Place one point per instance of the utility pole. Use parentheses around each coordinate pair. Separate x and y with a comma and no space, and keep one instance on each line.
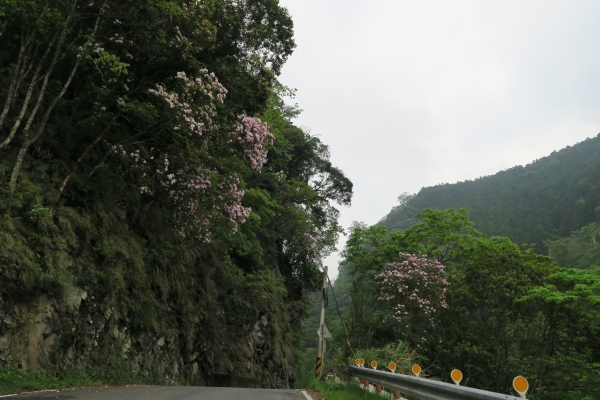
(321,331)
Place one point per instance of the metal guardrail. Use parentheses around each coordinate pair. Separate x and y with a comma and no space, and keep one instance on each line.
(424,388)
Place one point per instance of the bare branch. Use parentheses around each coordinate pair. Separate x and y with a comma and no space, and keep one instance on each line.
(38,103)
(85,152)
(28,142)
(104,157)
(27,99)
(46,76)
(23,74)
(13,82)
(55,101)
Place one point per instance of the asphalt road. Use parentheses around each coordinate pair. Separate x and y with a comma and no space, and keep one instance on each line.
(163,393)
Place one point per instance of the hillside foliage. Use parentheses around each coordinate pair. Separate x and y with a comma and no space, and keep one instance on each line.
(147,156)
(578,250)
(544,200)
(505,310)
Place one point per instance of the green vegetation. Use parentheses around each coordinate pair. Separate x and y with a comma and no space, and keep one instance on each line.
(164,220)
(148,159)
(14,380)
(343,391)
(544,200)
(401,355)
(509,310)
(579,250)
(119,372)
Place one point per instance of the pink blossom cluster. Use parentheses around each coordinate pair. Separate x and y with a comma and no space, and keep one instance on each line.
(416,288)
(198,194)
(134,157)
(232,204)
(184,184)
(254,137)
(194,102)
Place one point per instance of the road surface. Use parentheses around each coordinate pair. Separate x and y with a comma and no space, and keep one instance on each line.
(162,393)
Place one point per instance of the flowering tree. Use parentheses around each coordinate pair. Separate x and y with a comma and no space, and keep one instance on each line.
(199,190)
(416,289)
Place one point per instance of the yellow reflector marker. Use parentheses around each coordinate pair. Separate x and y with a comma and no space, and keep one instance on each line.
(392,366)
(357,361)
(456,376)
(416,369)
(374,364)
(362,362)
(521,385)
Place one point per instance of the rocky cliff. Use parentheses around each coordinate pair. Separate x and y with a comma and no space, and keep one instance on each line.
(80,330)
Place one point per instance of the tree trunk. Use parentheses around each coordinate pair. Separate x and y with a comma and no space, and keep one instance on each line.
(17,167)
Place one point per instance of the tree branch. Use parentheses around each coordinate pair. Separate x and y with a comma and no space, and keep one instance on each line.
(13,82)
(85,152)
(27,142)
(27,99)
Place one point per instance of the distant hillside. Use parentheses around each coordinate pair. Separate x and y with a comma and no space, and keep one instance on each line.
(546,199)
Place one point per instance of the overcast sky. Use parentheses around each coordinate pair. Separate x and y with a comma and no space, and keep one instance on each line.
(410,94)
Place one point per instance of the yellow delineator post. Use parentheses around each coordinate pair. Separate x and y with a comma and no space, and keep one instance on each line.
(374,366)
(521,386)
(456,376)
(360,362)
(320,347)
(416,369)
(392,367)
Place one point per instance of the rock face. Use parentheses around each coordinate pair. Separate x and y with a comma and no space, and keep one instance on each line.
(75,330)
(28,333)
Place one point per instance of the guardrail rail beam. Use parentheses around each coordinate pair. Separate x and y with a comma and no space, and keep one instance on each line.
(424,388)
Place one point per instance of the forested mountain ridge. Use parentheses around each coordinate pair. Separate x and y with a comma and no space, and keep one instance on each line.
(543,200)
(162,217)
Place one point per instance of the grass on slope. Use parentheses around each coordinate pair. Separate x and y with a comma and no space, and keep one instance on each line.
(14,380)
(343,391)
